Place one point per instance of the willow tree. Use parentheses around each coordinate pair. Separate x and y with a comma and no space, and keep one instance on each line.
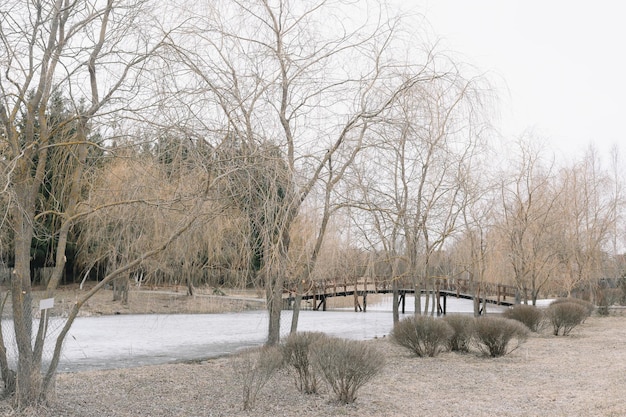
(589,206)
(473,247)
(531,223)
(310,77)
(413,184)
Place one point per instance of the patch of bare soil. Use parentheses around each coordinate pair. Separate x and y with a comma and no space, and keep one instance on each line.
(583,374)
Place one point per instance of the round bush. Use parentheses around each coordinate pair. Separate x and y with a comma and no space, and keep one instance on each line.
(528,315)
(346,365)
(589,307)
(423,335)
(564,316)
(494,335)
(463,326)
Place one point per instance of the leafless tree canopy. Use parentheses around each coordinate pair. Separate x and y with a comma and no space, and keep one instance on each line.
(267,144)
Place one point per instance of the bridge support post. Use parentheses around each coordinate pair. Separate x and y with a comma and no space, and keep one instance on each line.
(441,307)
(403,300)
(445,303)
(322,302)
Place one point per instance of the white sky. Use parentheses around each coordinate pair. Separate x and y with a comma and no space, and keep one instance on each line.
(559,66)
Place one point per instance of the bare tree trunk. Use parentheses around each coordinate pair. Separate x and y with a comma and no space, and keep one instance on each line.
(274,306)
(8,375)
(395,300)
(475,290)
(433,308)
(418,297)
(21,297)
(190,288)
(120,289)
(426,296)
(296,307)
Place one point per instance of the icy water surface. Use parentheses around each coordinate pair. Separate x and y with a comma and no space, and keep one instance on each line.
(134,340)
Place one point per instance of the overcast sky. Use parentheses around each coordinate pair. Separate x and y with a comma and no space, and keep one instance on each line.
(560,66)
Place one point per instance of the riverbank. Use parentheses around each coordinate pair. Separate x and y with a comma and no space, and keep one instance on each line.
(580,375)
(163,300)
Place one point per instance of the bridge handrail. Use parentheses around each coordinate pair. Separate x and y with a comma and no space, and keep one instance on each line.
(378,284)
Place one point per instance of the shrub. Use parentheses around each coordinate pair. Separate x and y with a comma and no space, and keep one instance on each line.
(296,352)
(528,315)
(606,297)
(254,368)
(589,307)
(565,316)
(494,334)
(346,365)
(423,335)
(463,327)
(621,283)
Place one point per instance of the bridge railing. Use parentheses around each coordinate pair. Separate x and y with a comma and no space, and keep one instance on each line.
(486,289)
(333,287)
(459,286)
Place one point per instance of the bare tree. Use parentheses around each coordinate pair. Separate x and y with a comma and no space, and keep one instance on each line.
(92,53)
(589,208)
(275,77)
(424,153)
(474,244)
(531,221)
(618,232)
(380,194)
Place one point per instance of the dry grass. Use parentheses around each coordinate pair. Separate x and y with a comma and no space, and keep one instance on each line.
(580,375)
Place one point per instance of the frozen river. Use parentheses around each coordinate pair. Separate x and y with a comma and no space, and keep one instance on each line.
(133,340)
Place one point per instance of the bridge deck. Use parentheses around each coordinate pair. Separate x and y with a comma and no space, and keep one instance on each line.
(321,291)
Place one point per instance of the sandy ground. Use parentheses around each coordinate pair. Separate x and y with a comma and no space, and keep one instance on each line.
(583,374)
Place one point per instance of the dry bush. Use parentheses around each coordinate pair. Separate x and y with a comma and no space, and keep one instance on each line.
(494,335)
(589,307)
(346,365)
(254,368)
(621,283)
(423,335)
(606,297)
(463,327)
(528,315)
(297,353)
(564,316)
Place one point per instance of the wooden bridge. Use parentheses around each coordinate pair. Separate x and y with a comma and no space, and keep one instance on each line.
(319,291)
